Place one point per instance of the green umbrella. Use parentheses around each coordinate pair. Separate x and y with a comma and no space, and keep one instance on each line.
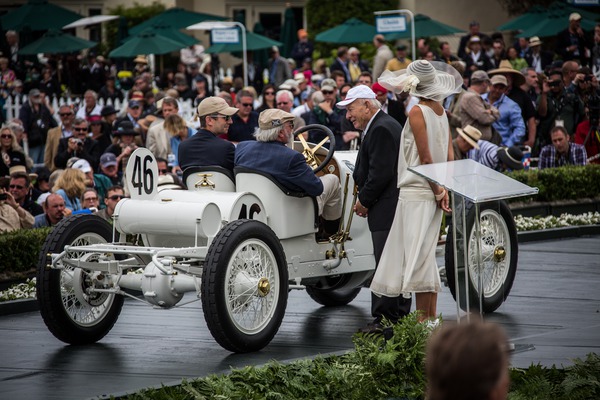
(57,42)
(552,24)
(424,27)
(288,33)
(531,17)
(38,15)
(169,33)
(261,57)
(146,43)
(253,42)
(177,18)
(537,14)
(351,31)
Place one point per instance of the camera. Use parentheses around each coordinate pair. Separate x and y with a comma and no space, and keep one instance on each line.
(588,78)
(593,106)
(554,83)
(3,196)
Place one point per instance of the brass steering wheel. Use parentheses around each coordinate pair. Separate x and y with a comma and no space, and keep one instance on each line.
(309,151)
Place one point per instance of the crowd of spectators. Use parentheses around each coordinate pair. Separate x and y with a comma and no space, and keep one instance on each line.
(524,97)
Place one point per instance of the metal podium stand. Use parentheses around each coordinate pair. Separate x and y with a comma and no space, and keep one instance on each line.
(471,183)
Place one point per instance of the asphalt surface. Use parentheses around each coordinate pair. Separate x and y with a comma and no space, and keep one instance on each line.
(552,316)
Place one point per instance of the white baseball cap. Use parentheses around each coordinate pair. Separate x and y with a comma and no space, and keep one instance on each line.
(357,92)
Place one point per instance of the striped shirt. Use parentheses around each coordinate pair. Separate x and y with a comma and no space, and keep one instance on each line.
(486,155)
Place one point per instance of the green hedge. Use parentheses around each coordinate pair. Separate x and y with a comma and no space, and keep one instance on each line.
(564,183)
(20,250)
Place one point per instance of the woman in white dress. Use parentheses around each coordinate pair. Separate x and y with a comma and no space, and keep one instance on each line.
(408,262)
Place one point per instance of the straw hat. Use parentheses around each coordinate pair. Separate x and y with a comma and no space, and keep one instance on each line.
(506,67)
(471,134)
(535,41)
(140,60)
(426,79)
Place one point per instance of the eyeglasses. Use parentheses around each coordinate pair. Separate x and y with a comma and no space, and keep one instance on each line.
(90,199)
(17,187)
(134,108)
(364,82)
(116,197)
(80,129)
(163,171)
(225,117)
(246,104)
(6,136)
(65,114)
(326,91)
(269,93)
(283,102)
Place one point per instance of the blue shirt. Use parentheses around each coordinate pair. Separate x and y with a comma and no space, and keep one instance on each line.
(510,125)
(74,204)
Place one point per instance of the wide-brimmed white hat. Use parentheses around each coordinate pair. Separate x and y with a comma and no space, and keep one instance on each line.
(471,134)
(432,80)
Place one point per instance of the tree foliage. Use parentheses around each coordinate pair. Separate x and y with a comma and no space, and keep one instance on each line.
(323,15)
(516,7)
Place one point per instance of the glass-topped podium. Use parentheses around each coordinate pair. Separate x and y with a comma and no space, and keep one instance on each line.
(483,234)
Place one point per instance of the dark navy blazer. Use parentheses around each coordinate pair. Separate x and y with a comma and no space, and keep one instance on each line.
(204,149)
(287,166)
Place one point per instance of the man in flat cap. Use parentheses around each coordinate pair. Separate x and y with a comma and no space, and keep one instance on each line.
(269,154)
(205,148)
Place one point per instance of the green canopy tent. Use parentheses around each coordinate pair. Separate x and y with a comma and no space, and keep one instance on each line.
(424,27)
(169,33)
(537,14)
(253,42)
(288,33)
(38,15)
(146,43)
(57,42)
(524,21)
(176,18)
(352,30)
(552,24)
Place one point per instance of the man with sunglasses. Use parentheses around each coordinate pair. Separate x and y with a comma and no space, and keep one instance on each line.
(206,148)
(79,145)
(64,130)
(20,188)
(245,122)
(113,195)
(269,154)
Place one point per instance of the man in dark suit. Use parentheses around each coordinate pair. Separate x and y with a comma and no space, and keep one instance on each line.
(375,174)
(270,154)
(205,148)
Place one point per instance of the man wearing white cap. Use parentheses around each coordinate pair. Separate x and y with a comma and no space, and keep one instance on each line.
(376,175)
(269,154)
(205,148)
(571,43)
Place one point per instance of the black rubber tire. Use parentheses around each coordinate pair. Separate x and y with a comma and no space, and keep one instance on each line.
(52,294)
(329,134)
(490,302)
(333,297)
(218,272)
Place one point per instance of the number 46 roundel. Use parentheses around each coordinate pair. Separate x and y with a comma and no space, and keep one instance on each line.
(141,174)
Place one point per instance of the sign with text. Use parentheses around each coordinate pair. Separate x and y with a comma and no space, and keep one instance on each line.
(386,24)
(230,36)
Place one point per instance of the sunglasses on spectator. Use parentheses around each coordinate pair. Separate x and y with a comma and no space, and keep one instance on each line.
(163,171)
(17,187)
(269,93)
(246,104)
(6,136)
(116,197)
(80,129)
(90,198)
(135,108)
(225,117)
(65,114)
(327,91)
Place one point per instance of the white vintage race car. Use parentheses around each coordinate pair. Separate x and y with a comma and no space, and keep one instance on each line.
(239,243)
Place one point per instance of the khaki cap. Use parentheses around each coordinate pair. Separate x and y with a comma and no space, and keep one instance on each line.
(273,118)
(215,105)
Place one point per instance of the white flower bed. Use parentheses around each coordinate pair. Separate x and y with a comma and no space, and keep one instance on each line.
(27,290)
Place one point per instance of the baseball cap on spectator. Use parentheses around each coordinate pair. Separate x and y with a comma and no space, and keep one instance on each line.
(378,89)
(108,110)
(289,84)
(328,84)
(316,78)
(273,118)
(401,47)
(17,83)
(125,128)
(133,103)
(535,41)
(34,93)
(108,160)
(474,39)
(40,200)
(357,92)
(499,80)
(299,77)
(215,105)
(94,119)
(479,76)
(574,17)
(82,165)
